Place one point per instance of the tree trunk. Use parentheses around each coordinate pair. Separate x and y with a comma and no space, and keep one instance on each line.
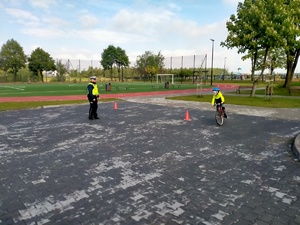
(271,73)
(254,88)
(253,64)
(111,71)
(15,75)
(42,77)
(261,74)
(292,61)
(289,75)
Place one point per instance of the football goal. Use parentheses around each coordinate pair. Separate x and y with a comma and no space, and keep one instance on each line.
(161,75)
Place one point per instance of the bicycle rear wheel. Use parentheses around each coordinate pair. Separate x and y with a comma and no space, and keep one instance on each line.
(219,118)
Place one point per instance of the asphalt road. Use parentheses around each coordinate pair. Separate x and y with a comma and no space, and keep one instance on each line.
(143,164)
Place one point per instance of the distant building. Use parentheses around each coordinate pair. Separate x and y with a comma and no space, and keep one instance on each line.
(50,73)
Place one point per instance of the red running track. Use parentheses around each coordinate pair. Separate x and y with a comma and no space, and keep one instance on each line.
(223,87)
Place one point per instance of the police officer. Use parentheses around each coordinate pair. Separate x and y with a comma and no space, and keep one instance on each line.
(93,95)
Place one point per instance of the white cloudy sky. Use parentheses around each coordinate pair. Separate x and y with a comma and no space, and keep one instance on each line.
(81,29)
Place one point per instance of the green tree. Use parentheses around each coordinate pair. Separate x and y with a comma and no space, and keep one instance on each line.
(242,32)
(184,73)
(288,26)
(39,61)
(264,25)
(25,74)
(92,72)
(114,55)
(74,73)
(12,57)
(275,59)
(150,63)
(61,71)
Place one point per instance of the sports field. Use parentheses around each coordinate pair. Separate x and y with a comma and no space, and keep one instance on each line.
(59,89)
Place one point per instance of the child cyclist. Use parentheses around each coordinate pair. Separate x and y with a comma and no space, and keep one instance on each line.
(218,98)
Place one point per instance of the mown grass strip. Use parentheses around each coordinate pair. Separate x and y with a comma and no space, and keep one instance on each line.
(260,101)
(58,89)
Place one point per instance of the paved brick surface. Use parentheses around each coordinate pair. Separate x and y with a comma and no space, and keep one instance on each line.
(143,164)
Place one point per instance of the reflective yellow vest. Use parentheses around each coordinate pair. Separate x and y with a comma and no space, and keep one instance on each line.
(218,96)
(95,89)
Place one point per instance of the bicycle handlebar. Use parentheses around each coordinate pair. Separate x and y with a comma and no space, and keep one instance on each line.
(219,104)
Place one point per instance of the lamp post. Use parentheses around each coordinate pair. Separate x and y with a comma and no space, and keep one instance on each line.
(212,60)
(224,68)
(123,64)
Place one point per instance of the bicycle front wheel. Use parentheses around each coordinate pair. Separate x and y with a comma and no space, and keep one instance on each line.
(219,119)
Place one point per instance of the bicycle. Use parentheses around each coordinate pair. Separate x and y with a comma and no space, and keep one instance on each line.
(219,116)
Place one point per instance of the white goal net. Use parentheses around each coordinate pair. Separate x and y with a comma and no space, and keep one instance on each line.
(161,75)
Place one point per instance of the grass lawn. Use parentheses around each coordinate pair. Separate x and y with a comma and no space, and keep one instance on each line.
(58,89)
(280,98)
(274,102)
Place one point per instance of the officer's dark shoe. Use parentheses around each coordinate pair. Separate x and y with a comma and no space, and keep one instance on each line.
(225,116)
(90,118)
(96,118)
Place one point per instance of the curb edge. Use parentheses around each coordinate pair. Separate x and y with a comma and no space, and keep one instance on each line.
(296,147)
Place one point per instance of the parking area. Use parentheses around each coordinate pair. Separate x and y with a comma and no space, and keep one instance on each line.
(144,164)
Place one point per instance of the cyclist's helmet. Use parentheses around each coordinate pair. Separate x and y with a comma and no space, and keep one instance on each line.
(216,89)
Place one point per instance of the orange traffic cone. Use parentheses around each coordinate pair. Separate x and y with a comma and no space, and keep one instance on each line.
(187,116)
(115,105)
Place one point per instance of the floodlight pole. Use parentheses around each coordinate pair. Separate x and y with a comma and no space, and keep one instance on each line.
(224,68)
(212,60)
(123,64)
